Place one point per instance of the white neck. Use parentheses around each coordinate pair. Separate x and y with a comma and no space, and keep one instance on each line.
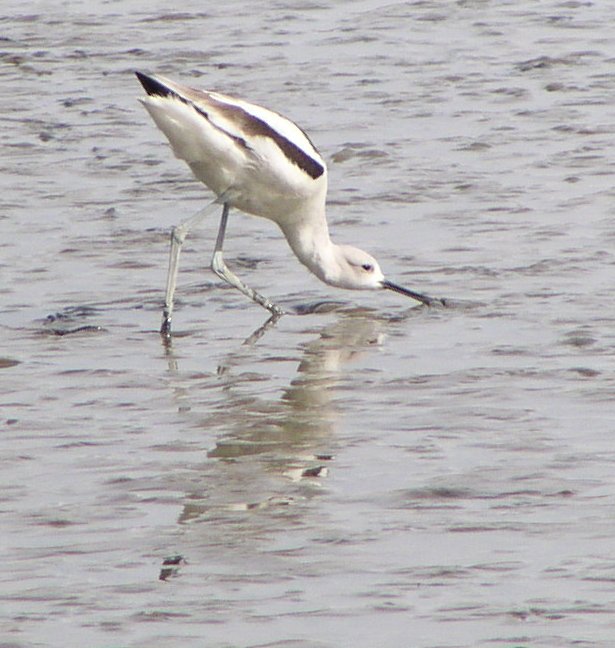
(309,240)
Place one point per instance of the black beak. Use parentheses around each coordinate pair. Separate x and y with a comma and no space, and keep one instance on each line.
(424,299)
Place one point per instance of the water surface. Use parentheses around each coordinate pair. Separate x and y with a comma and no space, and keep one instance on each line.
(376,475)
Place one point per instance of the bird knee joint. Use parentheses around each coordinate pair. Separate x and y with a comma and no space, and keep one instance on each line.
(178,235)
(217,264)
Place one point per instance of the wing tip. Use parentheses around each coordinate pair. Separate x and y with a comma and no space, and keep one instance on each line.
(153,86)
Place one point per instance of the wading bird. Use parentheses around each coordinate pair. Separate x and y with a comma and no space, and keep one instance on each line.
(261,163)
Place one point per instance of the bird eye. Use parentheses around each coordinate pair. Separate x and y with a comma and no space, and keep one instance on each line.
(368,267)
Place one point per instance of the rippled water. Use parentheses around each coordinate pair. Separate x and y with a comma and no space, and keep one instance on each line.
(375,475)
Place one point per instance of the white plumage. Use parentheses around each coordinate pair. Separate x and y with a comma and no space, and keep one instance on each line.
(263,164)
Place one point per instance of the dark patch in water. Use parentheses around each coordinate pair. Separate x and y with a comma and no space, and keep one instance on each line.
(67,321)
(170,567)
(328,306)
(7,363)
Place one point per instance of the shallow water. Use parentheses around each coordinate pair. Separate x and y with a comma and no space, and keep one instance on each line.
(374,475)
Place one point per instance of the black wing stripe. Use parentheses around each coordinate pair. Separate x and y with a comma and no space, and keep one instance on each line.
(249,123)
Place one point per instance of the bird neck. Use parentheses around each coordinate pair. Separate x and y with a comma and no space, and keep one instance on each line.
(312,245)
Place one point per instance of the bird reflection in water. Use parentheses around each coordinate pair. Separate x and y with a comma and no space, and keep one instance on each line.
(270,452)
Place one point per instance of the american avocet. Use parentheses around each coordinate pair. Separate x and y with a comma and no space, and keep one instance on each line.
(263,164)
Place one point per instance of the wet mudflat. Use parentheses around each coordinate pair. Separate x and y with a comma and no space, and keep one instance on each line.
(376,474)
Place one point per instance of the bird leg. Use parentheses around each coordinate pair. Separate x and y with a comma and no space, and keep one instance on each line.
(220,268)
(178,236)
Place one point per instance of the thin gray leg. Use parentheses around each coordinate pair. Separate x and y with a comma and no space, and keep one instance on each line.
(178,236)
(220,268)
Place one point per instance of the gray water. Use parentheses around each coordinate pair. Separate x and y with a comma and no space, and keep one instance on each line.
(375,475)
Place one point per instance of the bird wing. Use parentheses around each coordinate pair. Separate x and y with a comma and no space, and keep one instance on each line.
(219,136)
